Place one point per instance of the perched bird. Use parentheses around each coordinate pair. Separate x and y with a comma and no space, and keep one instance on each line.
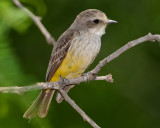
(75,50)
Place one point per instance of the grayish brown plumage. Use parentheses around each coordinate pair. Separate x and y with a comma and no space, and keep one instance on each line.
(83,40)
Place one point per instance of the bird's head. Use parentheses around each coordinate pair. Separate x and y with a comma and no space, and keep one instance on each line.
(92,21)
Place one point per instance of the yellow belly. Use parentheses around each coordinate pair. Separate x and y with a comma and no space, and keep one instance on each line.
(71,67)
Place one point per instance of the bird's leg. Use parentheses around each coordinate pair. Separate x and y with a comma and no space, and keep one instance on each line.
(65,85)
(64,81)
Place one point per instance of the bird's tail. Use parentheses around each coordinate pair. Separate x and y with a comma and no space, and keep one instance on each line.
(41,105)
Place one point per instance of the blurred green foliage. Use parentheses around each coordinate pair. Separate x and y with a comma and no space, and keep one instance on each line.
(132,101)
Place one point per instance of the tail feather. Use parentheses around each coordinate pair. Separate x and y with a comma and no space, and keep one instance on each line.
(41,105)
(44,106)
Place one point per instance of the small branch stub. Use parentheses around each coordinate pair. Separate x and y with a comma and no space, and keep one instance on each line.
(108,78)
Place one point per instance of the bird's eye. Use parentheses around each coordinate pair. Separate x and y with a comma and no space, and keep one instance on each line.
(96,21)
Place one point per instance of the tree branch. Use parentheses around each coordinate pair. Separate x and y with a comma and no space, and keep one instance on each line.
(78,109)
(37,21)
(54,85)
(129,45)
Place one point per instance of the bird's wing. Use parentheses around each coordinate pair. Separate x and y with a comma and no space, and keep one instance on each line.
(59,52)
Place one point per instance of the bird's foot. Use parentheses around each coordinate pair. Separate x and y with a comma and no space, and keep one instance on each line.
(64,81)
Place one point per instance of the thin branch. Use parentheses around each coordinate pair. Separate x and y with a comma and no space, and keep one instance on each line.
(54,85)
(108,78)
(129,45)
(37,21)
(78,109)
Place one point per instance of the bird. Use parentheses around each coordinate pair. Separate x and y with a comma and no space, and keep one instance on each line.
(74,51)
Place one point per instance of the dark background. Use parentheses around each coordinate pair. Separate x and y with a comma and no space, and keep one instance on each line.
(132,101)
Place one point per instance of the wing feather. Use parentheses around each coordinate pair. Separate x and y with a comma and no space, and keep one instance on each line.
(59,52)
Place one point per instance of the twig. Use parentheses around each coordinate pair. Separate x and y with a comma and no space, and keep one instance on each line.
(129,45)
(78,109)
(108,78)
(53,85)
(37,21)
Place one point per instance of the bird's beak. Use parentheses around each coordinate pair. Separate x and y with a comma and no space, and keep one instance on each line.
(112,21)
